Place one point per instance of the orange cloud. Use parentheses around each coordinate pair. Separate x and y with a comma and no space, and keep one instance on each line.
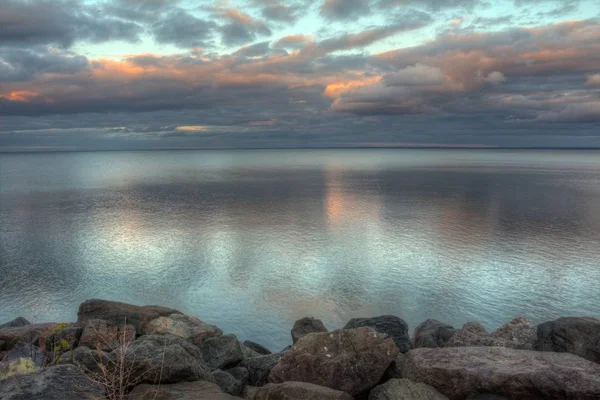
(21,96)
(334,90)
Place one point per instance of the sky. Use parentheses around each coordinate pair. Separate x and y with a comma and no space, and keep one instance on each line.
(153,74)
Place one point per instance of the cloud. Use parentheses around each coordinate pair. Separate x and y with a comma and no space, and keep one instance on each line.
(344,10)
(182,29)
(21,64)
(417,75)
(495,78)
(60,23)
(293,41)
(239,27)
(276,10)
(593,80)
(434,5)
(254,50)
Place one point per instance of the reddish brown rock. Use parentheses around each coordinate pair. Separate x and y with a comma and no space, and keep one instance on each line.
(350,360)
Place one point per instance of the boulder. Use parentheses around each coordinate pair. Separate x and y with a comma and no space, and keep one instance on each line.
(199,390)
(577,335)
(350,360)
(391,325)
(63,382)
(26,333)
(432,333)
(26,350)
(403,389)
(259,368)
(106,336)
(86,359)
(182,326)
(61,338)
(221,351)
(519,374)
(298,391)
(474,334)
(262,350)
(16,366)
(306,325)
(519,333)
(247,352)
(19,321)
(231,381)
(166,358)
(120,313)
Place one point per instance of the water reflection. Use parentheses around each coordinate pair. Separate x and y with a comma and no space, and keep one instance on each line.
(252,241)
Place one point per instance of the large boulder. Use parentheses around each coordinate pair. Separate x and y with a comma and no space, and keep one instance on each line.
(247,352)
(306,325)
(577,335)
(105,335)
(63,382)
(221,351)
(61,338)
(183,326)
(259,368)
(16,366)
(199,390)
(519,333)
(298,391)
(351,360)
(473,334)
(260,349)
(86,359)
(26,350)
(432,333)
(232,381)
(121,313)
(403,389)
(165,358)
(519,374)
(394,327)
(19,321)
(27,333)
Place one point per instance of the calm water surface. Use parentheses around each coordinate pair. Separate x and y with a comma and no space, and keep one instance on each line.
(253,240)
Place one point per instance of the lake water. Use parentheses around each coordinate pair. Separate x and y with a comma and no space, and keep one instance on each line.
(253,240)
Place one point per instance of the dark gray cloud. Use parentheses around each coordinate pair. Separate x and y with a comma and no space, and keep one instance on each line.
(434,5)
(60,23)
(345,9)
(182,29)
(238,28)
(254,50)
(20,64)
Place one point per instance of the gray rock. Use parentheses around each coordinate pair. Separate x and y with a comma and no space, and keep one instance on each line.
(394,327)
(27,333)
(62,337)
(86,359)
(306,325)
(247,352)
(199,390)
(403,389)
(519,333)
(63,382)
(26,350)
(260,349)
(105,335)
(350,360)
(519,374)
(259,368)
(298,391)
(221,351)
(117,313)
(432,333)
(474,334)
(182,326)
(17,366)
(485,396)
(19,321)
(165,357)
(577,335)
(231,381)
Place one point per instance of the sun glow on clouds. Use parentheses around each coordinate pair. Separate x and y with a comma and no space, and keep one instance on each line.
(192,128)
(21,95)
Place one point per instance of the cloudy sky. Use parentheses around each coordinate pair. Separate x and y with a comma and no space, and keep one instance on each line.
(108,74)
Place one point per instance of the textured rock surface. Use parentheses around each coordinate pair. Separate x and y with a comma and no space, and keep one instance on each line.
(117,313)
(403,389)
(19,321)
(474,334)
(351,360)
(575,335)
(182,326)
(519,333)
(61,338)
(260,349)
(86,359)
(306,325)
(17,366)
(231,381)
(171,358)
(394,327)
(247,352)
(64,382)
(221,351)
(432,333)
(298,391)
(519,374)
(259,368)
(199,390)
(26,350)
(26,333)
(106,336)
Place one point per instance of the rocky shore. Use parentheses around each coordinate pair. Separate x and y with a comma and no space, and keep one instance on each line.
(117,351)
